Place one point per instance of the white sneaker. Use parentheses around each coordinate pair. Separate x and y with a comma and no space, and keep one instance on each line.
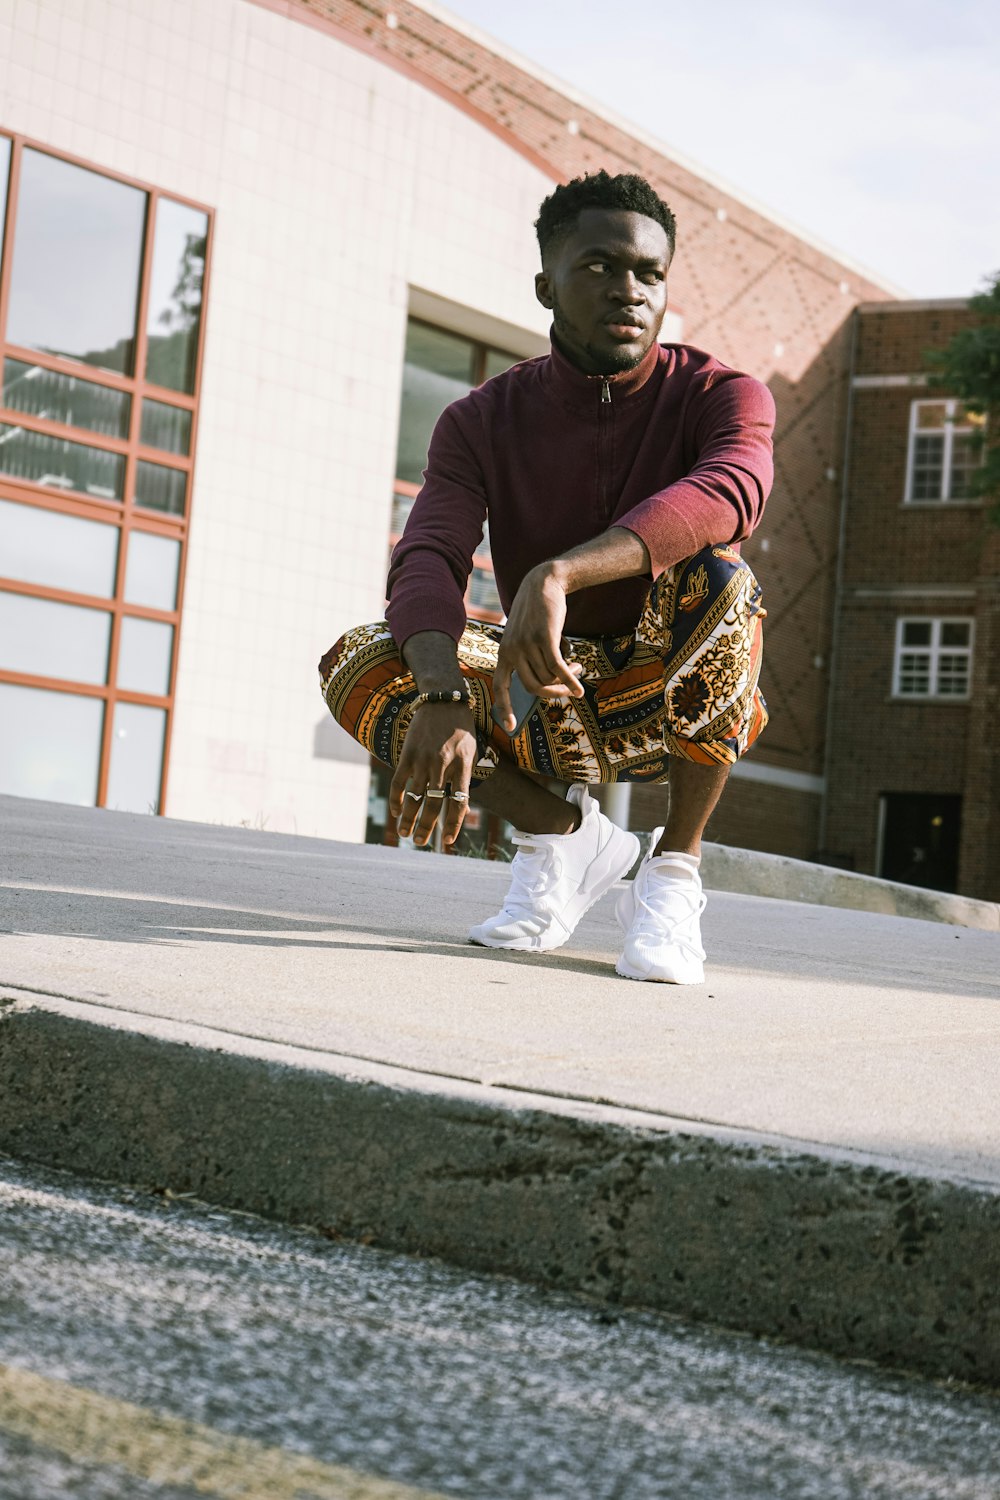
(661,913)
(556,878)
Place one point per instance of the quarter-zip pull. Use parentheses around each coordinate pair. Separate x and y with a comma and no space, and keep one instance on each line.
(605,392)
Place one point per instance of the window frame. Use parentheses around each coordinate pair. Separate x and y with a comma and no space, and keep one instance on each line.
(949,431)
(934,652)
(404,489)
(124,514)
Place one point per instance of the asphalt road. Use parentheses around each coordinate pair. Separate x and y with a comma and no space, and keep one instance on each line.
(153,1347)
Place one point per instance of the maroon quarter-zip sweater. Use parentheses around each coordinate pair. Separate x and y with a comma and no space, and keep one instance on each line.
(677,450)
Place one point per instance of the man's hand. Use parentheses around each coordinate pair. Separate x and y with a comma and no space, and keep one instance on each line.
(439,749)
(532,637)
(532,644)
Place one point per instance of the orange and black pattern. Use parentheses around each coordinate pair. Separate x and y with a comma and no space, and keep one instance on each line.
(685,684)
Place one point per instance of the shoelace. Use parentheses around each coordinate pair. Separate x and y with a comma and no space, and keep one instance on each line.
(658,913)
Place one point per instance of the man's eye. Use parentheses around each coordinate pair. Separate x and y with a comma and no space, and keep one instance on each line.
(598,265)
(651,277)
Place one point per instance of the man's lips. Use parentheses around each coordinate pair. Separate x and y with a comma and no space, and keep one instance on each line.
(624,326)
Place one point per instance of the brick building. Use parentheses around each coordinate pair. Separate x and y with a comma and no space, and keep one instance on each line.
(204,449)
(913,762)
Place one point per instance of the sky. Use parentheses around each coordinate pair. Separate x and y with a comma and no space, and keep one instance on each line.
(871,125)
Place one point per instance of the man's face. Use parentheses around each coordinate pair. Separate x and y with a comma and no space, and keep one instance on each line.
(605,283)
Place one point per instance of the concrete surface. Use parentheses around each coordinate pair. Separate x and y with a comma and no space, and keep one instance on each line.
(154,1349)
(755,874)
(805,1146)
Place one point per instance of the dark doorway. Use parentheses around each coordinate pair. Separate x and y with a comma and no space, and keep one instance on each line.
(920,836)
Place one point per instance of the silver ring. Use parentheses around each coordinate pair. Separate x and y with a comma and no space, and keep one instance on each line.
(417,796)
(436,793)
(458,796)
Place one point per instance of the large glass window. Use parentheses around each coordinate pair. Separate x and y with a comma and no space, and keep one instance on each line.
(64,398)
(40,638)
(945,450)
(77,255)
(166,427)
(160,488)
(152,570)
(79,415)
(933,658)
(58,551)
(4,179)
(51,744)
(175,295)
(136,758)
(59,464)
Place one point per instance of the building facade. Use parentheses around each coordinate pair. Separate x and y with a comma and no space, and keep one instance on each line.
(250,247)
(913,778)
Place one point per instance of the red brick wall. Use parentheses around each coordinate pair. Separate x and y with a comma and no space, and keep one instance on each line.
(751,815)
(878,745)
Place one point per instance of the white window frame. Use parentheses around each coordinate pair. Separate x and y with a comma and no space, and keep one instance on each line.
(934,652)
(949,431)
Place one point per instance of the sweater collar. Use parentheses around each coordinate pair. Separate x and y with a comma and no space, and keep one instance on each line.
(573,385)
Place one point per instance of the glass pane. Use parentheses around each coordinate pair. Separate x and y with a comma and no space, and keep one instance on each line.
(59,552)
(401,507)
(914,674)
(136,758)
(483,591)
(65,398)
(175,295)
(437,370)
(4,175)
(77,253)
(953,675)
(955,632)
(928,468)
(917,633)
(44,639)
(151,570)
(166,427)
(497,361)
(51,744)
(160,488)
(966,452)
(145,648)
(61,464)
(931,413)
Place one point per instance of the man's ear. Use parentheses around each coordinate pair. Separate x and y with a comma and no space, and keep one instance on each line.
(543,290)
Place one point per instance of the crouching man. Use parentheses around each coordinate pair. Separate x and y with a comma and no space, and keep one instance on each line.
(618,476)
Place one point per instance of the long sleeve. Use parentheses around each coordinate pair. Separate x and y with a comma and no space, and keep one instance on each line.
(432,560)
(722,496)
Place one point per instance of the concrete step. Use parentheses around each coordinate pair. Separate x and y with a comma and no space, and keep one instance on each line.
(804,1147)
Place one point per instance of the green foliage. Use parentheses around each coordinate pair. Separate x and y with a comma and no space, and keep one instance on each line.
(969,368)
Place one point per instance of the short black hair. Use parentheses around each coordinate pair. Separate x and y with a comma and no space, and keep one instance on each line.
(627,193)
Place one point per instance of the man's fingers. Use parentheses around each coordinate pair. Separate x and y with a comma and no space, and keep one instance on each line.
(456,806)
(397,788)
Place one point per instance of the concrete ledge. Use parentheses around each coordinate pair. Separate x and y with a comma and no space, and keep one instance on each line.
(858,1255)
(751,873)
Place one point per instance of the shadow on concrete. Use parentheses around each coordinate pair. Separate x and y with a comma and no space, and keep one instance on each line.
(33,911)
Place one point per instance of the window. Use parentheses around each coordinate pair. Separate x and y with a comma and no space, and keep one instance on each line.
(933,659)
(945,449)
(438,368)
(103,283)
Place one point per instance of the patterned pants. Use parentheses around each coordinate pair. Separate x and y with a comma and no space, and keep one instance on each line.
(684,684)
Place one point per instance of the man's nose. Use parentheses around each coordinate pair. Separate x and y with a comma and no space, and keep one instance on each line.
(627,288)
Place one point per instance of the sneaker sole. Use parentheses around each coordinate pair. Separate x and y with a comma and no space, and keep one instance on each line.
(625,972)
(617,859)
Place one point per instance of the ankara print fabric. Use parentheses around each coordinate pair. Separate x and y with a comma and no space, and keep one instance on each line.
(684,685)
